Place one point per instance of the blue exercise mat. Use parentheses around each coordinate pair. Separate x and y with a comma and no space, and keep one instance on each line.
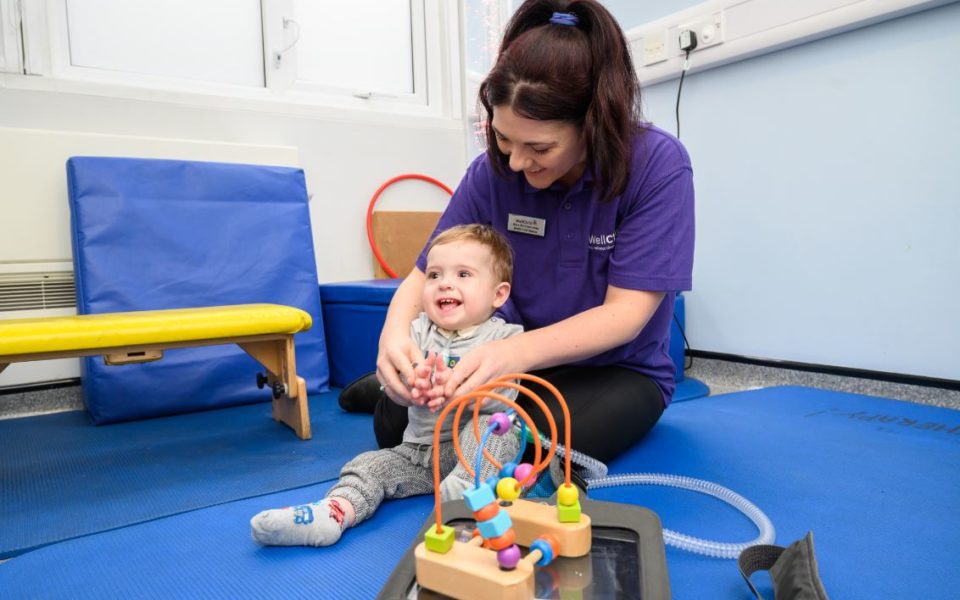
(874,479)
(155,234)
(61,478)
(209,554)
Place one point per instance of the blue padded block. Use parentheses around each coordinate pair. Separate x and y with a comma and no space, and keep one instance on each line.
(157,234)
(353,315)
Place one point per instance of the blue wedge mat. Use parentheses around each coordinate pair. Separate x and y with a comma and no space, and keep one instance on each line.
(875,480)
(61,478)
(155,234)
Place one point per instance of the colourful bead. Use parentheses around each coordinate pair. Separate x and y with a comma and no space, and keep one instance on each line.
(509,557)
(501,422)
(545,550)
(508,489)
(479,497)
(507,469)
(553,541)
(439,542)
(487,512)
(568,494)
(507,539)
(496,526)
(522,471)
(569,514)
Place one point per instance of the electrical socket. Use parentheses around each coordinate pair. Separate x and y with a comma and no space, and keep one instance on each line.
(709,30)
(655,48)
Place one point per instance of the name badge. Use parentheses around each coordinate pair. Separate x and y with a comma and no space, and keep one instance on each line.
(527,225)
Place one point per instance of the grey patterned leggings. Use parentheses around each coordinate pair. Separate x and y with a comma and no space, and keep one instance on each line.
(407,470)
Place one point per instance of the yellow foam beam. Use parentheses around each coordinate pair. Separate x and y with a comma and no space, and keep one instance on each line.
(114,330)
(264,331)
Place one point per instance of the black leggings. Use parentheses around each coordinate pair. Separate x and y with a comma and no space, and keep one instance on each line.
(611,408)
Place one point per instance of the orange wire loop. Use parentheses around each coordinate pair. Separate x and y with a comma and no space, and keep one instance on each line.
(479,396)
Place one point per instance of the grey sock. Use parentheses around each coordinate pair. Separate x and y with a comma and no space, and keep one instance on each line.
(317,524)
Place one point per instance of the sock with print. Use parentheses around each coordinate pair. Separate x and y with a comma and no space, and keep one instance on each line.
(317,524)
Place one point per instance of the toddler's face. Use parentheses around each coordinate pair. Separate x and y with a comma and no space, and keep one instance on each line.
(461,289)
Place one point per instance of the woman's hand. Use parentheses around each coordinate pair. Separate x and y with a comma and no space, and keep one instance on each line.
(395,368)
(482,364)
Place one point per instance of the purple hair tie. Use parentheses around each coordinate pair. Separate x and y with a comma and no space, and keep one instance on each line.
(560,18)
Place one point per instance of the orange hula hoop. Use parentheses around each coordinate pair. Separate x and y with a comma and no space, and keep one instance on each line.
(373,201)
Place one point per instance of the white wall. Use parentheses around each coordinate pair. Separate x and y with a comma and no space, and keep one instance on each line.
(344,161)
(828,198)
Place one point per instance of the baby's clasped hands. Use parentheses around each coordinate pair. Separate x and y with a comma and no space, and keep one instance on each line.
(430,377)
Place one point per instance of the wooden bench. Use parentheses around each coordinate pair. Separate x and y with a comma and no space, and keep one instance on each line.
(264,331)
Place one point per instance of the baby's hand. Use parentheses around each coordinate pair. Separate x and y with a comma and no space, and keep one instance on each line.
(435,394)
(422,381)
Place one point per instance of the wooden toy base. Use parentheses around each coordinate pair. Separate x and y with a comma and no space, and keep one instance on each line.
(533,519)
(469,572)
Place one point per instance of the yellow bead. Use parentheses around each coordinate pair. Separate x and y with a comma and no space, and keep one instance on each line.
(439,542)
(568,494)
(508,489)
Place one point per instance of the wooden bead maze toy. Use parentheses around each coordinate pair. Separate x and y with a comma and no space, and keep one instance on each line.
(490,565)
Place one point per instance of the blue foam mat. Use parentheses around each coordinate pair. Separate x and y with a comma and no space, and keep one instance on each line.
(875,480)
(61,477)
(209,554)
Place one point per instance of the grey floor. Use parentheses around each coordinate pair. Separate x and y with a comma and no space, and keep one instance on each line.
(721,376)
(725,376)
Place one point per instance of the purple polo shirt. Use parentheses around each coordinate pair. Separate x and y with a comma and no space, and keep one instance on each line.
(641,240)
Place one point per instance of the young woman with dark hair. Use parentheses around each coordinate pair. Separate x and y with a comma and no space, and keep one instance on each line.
(598,206)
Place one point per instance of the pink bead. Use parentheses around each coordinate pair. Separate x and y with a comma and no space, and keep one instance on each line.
(521,472)
(509,557)
(502,422)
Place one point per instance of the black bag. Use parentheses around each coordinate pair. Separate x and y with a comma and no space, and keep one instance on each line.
(793,569)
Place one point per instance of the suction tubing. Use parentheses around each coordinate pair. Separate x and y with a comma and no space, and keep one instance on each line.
(595,474)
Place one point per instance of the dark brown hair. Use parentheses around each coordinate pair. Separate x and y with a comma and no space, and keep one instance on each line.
(500,250)
(581,74)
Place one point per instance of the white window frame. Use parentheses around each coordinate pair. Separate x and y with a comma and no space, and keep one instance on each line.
(11,57)
(437,78)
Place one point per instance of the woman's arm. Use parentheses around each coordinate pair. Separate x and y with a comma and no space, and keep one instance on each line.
(620,318)
(397,351)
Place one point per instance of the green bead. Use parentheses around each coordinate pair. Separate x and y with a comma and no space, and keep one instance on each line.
(440,542)
(569,514)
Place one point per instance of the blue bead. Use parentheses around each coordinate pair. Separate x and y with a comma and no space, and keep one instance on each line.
(496,526)
(479,497)
(507,469)
(545,550)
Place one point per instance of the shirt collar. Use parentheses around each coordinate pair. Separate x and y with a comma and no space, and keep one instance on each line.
(462,333)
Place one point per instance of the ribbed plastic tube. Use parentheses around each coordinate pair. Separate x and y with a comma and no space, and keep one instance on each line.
(595,473)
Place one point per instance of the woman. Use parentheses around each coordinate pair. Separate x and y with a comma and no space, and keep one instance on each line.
(598,207)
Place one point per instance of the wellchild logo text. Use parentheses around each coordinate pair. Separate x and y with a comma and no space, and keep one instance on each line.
(602,241)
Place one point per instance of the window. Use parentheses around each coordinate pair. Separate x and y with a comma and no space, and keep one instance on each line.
(10,60)
(368,54)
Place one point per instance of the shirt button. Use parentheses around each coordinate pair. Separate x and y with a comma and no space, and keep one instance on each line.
(567,206)
(569,236)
